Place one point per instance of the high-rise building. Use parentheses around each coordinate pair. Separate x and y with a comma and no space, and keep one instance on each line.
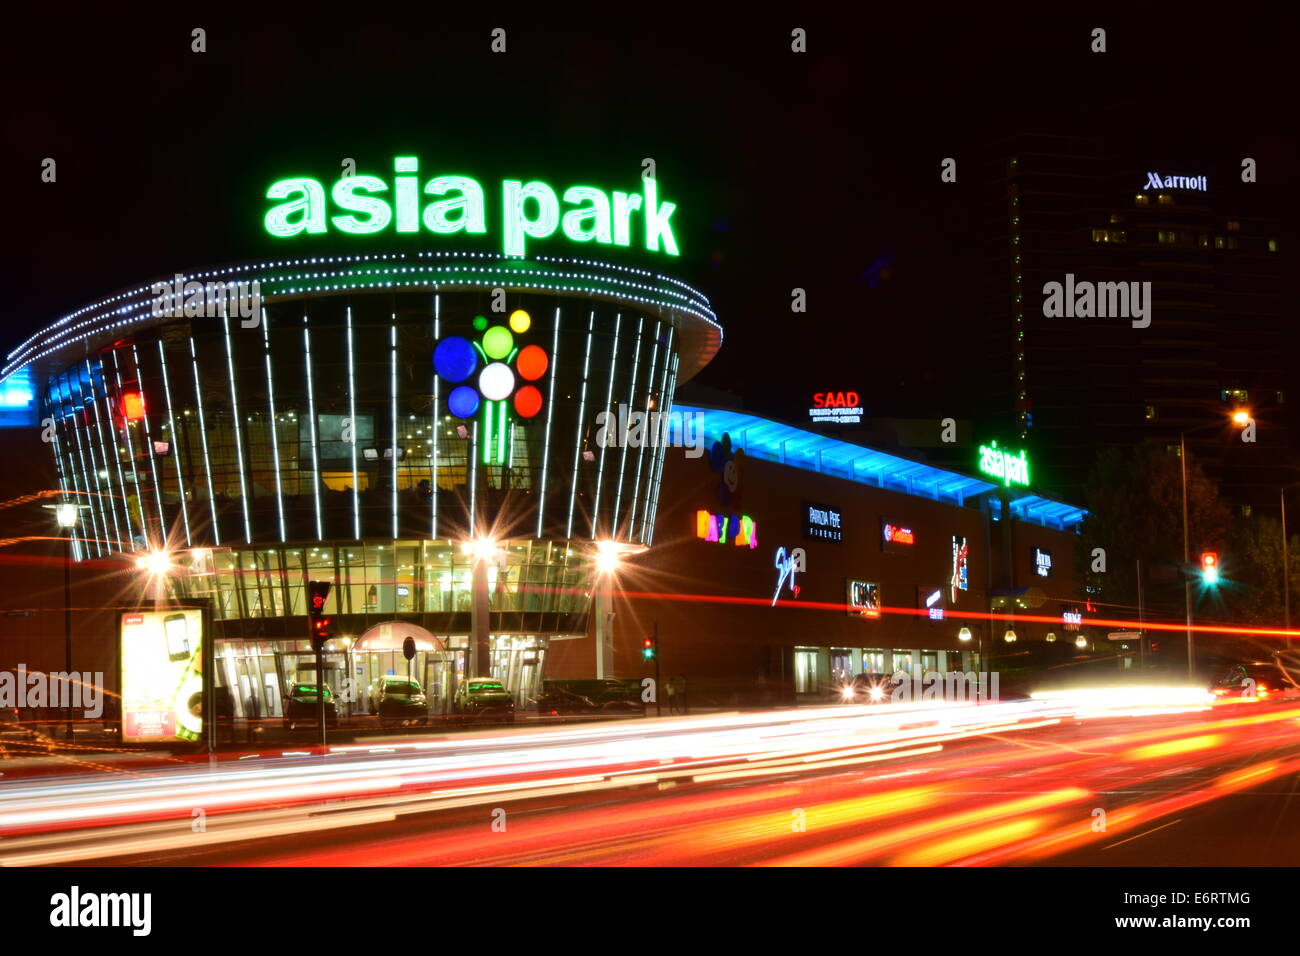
(1208,340)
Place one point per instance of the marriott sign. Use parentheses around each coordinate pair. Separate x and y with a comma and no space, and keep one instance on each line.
(1175,182)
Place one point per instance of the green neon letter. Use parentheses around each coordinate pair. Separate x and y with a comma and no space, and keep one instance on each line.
(437,215)
(345,197)
(517,225)
(408,196)
(624,206)
(598,212)
(310,202)
(656,220)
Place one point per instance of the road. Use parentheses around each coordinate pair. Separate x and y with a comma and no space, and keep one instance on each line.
(1083,780)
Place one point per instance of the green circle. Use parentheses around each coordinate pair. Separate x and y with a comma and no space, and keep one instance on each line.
(497,342)
(480,323)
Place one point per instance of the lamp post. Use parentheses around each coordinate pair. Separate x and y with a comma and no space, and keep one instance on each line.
(66,515)
(1240,418)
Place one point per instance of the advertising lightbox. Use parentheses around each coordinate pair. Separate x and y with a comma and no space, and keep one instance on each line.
(161,658)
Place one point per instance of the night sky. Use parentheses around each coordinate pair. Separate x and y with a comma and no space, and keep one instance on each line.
(789,170)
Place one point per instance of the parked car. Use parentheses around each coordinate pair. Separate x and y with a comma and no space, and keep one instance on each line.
(399,698)
(1257,681)
(598,696)
(302,707)
(484,697)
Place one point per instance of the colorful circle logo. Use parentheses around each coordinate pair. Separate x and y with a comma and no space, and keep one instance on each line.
(506,370)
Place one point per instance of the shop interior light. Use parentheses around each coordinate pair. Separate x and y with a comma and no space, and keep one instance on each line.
(964,634)
(1081,642)
(1009,636)
(1051,637)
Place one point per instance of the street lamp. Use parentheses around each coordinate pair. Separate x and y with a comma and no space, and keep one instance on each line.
(1240,418)
(607,559)
(66,515)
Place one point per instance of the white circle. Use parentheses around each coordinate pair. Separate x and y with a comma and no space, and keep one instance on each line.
(496,381)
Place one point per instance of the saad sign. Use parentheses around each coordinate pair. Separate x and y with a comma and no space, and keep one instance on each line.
(448,205)
(840,408)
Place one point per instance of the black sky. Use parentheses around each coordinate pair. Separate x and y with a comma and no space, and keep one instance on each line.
(789,170)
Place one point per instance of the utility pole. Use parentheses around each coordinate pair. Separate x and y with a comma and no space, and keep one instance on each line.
(1187,559)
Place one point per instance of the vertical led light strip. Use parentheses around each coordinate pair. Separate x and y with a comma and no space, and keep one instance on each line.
(148,445)
(103,453)
(70,425)
(487,431)
(668,404)
(661,436)
(392,390)
(175,443)
(311,413)
(63,486)
(117,463)
(550,410)
(473,478)
(582,407)
(239,440)
(203,436)
(631,399)
(609,398)
(501,431)
(646,432)
(433,438)
(352,420)
(93,473)
(275,432)
(130,451)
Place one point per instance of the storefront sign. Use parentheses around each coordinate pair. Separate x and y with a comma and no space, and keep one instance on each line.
(931,601)
(162,675)
(841,408)
(822,522)
(726,529)
(864,599)
(1072,619)
(960,565)
(1042,563)
(896,537)
(1175,182)
(1004,466)
(787,566)
(529,210)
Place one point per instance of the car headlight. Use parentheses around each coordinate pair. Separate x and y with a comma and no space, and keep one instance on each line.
(846,693)
(877,694)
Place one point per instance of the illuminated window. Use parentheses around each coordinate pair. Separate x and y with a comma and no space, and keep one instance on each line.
(1272,245)
(1245,511)
(1141,199)
(1164,199)
(1204,240)
(1281,398)
(1238,396)
(1150,413)
(1232,242)
(1233,225)
(1218,242)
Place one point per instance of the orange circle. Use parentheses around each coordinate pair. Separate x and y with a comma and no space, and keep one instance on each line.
(528,401)
(532,362)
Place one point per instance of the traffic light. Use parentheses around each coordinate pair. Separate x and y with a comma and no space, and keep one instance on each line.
(1209,567)
(318,624)
(648,649)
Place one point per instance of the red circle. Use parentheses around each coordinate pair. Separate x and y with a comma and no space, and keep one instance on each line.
(532,363)
(528,401)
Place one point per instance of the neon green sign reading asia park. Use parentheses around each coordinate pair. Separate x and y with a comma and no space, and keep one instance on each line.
(528,210)
(1003,465)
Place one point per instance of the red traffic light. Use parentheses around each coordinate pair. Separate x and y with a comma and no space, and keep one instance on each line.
(1210,566)
(648,648)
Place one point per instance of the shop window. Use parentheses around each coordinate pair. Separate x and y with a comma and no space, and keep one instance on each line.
(805,670)
(873,661)
(841,665)
(903,661)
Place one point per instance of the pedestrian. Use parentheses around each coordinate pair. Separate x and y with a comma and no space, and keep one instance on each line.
(681,692)
(671,689)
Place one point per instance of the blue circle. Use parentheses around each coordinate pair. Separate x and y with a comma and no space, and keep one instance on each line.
(455,359)
(463,401)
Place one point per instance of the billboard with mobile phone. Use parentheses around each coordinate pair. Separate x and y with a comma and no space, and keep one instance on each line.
(162,675)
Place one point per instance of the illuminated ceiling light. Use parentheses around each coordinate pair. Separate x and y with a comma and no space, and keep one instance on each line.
(1081,642)
(964,634)
(1009,636)
(66,515)
(1051,637)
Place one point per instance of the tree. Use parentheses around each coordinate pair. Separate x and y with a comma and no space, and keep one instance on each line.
(1135,505)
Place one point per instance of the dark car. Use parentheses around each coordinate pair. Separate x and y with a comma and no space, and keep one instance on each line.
(484,697)
(1255,681)
(590,696)
(399,699)
(302,707)
(559,701)
(867,689)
